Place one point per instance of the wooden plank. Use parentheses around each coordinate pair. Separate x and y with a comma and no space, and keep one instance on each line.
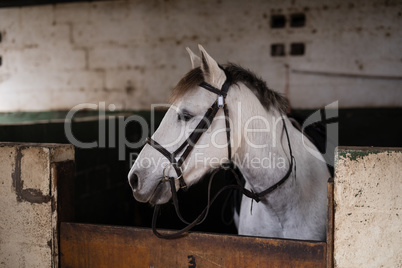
(62,199)
(85,245)
(330,223)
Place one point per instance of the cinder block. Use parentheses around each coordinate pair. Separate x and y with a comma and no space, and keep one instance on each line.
(113,57)
(368,204)
(31,28)
(10,63)
(68,100)
(9,17)
(37,15)
(126,81)
(52,50)
(52,81)
(9,26)
(105,31)
(344,90)
(111,10)
(72,13)
(9,101)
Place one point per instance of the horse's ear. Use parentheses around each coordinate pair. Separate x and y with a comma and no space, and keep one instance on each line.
(195,60)
(212,72)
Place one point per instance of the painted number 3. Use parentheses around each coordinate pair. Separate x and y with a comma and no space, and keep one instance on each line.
(191,261)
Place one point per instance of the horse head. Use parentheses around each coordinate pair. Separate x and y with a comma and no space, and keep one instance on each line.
(190,108)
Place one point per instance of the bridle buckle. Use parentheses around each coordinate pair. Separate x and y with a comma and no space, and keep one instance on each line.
(166,176)
(227,165)
(221,101)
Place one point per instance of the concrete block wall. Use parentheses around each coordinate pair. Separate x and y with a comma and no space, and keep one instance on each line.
(368,205)
(28,203)
(131,53)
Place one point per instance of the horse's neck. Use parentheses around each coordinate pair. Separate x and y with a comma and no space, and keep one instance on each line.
(263,157)
(299,202)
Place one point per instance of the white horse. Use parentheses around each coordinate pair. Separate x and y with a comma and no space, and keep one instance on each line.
(296,209)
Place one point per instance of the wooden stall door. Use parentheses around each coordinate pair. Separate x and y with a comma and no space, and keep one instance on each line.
(86,245)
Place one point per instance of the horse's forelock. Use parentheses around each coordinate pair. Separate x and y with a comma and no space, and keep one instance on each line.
(266,96)
(190,81)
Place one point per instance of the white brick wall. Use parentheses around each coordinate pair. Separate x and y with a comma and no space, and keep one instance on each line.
(131,53)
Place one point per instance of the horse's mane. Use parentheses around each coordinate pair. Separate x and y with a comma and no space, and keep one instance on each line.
(266,96)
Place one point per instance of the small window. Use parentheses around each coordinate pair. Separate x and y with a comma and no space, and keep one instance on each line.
(278,21)
(297,20)
(297,49)
(1,60)
(277,50)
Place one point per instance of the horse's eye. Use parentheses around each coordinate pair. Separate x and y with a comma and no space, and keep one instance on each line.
(185,116)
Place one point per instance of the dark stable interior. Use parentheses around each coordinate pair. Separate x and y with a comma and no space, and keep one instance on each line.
(102,194)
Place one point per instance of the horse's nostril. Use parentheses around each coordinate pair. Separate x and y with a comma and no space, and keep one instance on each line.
(134,181)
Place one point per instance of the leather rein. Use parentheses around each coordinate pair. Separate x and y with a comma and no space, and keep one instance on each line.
(188,145)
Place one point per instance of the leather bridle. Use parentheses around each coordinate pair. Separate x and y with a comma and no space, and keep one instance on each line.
(188,145)
(193,138)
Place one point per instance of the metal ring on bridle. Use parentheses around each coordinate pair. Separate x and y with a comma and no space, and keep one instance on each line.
(166,177)
(227,165)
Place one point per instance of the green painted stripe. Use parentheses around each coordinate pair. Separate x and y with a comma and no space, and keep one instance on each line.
(59,116)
